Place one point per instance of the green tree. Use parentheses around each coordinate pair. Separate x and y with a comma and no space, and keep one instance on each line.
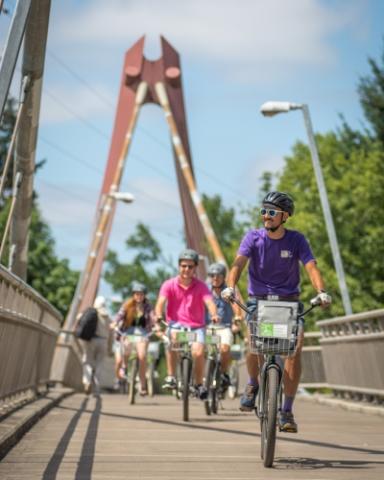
(148,265)
(355,183)
(371,91)
(46,273)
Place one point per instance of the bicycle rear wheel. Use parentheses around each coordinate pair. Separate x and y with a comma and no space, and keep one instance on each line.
(268,421)
(185,373)
(132,380)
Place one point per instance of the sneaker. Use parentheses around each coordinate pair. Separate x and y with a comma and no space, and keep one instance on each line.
(248,399)
(169,383)
(287,422)
(201,392)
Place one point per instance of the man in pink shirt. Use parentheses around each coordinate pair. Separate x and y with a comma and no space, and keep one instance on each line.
(185,298)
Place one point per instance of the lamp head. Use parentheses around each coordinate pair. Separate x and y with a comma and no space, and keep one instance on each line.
(269,109)
(125,197)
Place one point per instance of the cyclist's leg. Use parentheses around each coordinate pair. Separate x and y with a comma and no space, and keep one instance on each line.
(292,374)
(226,338)
(198,355)
(142,348)
(199,363)
(248,399)
(171,359)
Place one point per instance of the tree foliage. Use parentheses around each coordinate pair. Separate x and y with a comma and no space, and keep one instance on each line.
(371,91)
(147,266)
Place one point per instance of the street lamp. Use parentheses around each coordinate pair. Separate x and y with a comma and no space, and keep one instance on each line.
(270,109)
(124,197)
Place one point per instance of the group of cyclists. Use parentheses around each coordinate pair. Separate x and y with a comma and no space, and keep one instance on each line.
(273,255)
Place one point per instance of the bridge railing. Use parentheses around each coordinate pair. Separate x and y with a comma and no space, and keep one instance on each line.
(353,355)
(29,327)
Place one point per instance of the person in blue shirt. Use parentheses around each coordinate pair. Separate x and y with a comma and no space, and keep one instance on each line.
(230,318)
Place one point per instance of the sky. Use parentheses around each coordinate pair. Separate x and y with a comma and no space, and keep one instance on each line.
(235,55)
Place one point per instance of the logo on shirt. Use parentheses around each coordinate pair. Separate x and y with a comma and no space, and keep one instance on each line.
(286,254)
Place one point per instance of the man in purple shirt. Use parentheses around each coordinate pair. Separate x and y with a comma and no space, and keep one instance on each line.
(274,253)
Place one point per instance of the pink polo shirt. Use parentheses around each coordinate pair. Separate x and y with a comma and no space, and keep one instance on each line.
(185,305)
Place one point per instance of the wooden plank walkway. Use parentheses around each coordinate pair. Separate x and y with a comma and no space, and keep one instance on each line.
(105,438)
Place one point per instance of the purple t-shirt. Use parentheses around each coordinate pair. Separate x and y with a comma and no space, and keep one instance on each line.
(274,264)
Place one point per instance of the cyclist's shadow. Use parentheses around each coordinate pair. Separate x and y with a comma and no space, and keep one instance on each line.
(300,463)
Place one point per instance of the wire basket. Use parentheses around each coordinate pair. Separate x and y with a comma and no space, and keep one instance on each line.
(274,328)
(180,338)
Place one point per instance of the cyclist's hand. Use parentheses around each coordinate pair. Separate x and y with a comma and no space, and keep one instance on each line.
(228,294)
(215,318)
(323,299)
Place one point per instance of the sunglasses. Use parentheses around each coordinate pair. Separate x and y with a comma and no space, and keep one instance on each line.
(270,211)
(183,265)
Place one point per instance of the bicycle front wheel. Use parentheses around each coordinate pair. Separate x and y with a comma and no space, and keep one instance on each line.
(185,374)
(210,367)
(268,421)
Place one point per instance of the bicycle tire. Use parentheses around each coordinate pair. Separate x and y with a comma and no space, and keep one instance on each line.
(132,381)
(268,422)
(208,384)
(215,389)
(185,373)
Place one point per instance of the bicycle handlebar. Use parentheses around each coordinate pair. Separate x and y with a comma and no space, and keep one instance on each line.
(301,315)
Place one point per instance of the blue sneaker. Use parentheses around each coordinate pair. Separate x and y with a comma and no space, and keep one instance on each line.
(248,399)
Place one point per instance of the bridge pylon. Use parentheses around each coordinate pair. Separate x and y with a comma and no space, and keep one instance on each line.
(144,81)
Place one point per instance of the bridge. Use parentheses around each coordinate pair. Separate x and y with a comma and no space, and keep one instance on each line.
(49,429)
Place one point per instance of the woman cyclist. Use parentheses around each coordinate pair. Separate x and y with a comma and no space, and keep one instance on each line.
(135,317)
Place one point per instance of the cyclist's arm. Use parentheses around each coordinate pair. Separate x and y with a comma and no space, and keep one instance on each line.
(159,308)
(315,276)
(212,309)
(236,269)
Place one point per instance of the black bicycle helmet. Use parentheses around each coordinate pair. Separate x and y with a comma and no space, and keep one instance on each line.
(189,254)
(138,287)
(281,200)
(217,269)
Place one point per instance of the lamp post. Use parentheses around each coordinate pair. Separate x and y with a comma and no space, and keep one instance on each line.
(270,109)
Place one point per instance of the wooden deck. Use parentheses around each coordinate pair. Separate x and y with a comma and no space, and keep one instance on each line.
(105,438)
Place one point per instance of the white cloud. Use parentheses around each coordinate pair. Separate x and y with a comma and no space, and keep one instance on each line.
(246,36)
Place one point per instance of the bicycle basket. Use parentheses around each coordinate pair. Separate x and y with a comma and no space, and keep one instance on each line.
(179,339)
(274,328)
(212,339)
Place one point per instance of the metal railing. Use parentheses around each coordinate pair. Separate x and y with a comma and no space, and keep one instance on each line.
(313,375)
(29,327)
(67,366)
(353,355)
